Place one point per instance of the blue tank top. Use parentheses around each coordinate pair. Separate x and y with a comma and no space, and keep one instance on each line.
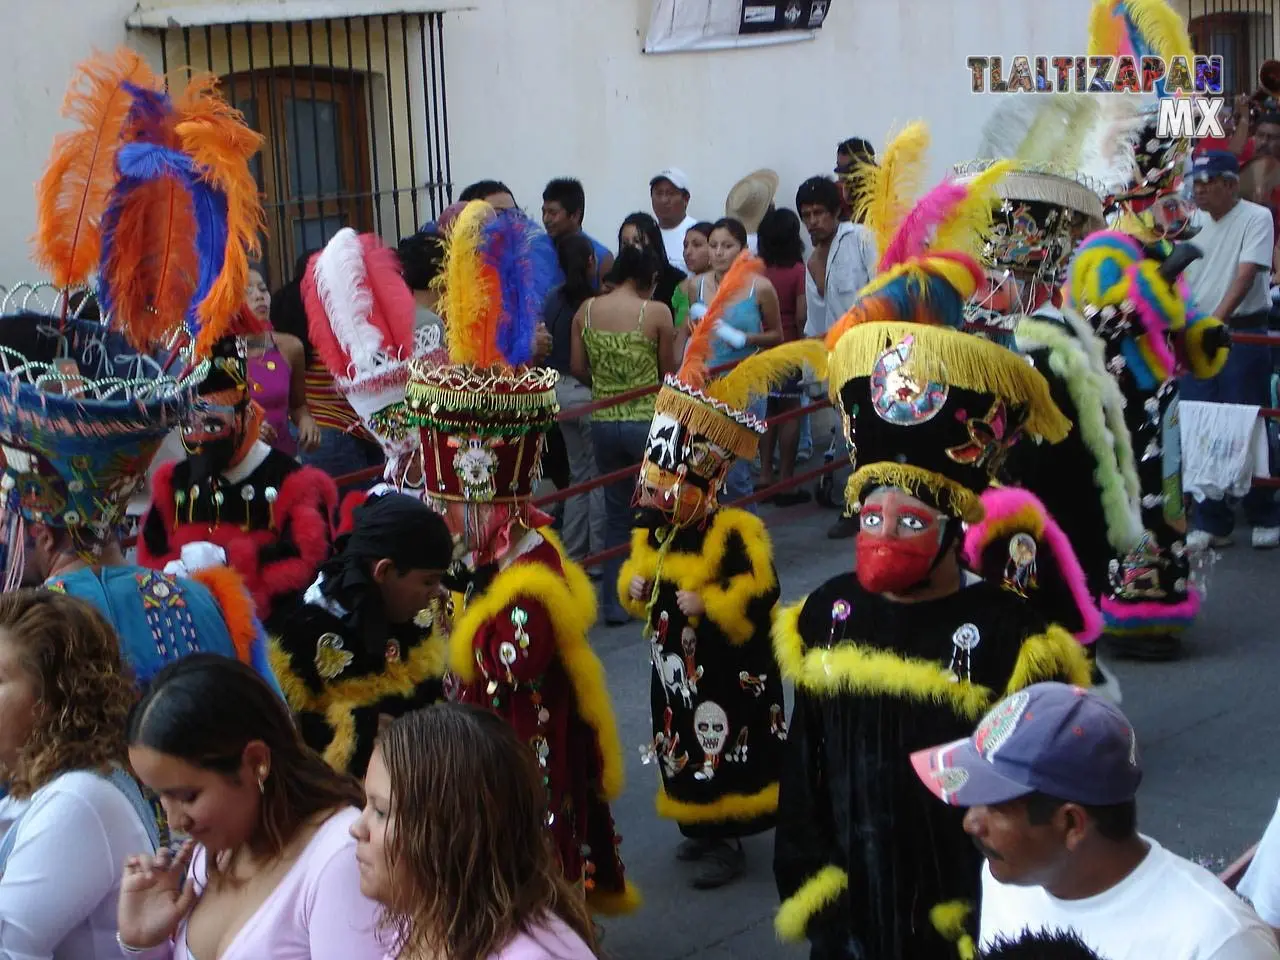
(743,315)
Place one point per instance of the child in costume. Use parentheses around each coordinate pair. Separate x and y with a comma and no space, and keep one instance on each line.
(702,578)
(912,643)
(138,193)
(522,610)
(363,647)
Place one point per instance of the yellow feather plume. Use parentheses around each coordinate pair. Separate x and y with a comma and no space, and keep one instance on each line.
(965,227)
(761,372)
(1104,35)
(1161,26)
(884,193)
(468,290)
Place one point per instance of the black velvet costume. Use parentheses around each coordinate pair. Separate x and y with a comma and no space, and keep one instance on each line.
(869,865)
(719,721)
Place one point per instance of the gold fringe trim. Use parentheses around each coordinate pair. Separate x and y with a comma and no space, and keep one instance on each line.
(612,904)
(570,600)
(1052,655)
(703,419)
(700,572)
(958,359)
(736,806)
(762,372)
(948,919)
(952,498)
(848,668)
(1026,519)
(816,894)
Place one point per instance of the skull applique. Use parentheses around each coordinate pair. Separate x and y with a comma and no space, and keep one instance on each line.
(476,466)
(711,725)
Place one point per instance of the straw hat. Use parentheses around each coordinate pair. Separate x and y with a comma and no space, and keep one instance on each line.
(750,197)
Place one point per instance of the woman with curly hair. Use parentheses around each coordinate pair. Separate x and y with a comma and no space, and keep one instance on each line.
(271,872)
(72,813)
(453,843)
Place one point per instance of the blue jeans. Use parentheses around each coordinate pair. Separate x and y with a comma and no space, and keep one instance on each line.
(804,450)
(740,481)
(341,453)
(1246,379)
(618,444)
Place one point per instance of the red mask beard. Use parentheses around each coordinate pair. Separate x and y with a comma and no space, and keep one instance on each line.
(894,565)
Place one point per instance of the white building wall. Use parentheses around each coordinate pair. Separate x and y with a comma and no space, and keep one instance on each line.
(545,88)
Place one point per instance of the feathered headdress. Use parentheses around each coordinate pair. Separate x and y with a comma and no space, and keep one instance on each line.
(928,263)
(361,321)
(483,415)
(158,198)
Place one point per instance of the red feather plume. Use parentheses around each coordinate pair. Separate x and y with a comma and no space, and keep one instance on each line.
(71,196)
(153,267)
(394,309)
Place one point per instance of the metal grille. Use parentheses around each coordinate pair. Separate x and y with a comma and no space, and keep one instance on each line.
(354,114)
(1242,32)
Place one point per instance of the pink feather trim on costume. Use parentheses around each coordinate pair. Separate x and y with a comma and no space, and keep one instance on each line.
(912,237)
(1002,503)
(1181,613)
(1156,327)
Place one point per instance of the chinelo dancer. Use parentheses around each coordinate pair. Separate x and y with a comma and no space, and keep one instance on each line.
(912,642)
(152,194)
(522,610)
(1088,483)
(702,578)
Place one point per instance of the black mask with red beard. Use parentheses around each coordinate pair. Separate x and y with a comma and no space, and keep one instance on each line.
(901,564)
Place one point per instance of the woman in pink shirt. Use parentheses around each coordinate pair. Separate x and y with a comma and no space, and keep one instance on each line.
(453,843)
(268,869)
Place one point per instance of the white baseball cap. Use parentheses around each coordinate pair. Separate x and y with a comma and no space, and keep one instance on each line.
(677,177)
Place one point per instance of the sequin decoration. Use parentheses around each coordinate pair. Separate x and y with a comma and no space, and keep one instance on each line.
(900,398)
(392,652)
(173,630)
(519,618)
(331,656)
(963,642)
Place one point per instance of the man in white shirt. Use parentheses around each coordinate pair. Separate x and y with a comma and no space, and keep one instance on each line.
(842,263)
(1049,777)
(1261,882)
(669,196)
(1232,282)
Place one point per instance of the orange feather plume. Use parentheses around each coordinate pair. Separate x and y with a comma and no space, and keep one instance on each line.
(71,196)
(736,282)
(152,267)
(214,135)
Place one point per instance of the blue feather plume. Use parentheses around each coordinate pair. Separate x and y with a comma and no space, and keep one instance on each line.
(510,247)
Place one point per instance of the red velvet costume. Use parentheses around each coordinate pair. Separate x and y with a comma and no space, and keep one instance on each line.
(536,614)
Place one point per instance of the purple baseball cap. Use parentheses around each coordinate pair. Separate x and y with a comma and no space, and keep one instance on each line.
(1050,738)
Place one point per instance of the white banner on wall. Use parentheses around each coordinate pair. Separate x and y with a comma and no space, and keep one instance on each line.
(680,25)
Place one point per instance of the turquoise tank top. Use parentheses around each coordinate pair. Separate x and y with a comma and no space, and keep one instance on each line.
(743,315)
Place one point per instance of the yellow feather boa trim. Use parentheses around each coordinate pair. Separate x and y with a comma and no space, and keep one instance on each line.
(850,668)
(948,919)
(737,806)
(570,600)
(816,894)
(726,600)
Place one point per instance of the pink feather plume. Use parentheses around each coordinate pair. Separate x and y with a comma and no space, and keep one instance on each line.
(914,234)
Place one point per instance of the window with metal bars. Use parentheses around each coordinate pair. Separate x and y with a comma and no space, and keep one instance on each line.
(1242,32)
(354,116)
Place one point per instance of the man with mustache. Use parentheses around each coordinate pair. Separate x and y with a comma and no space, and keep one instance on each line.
(911,643)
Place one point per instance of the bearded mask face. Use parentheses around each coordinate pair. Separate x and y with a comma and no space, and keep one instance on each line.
(900,541)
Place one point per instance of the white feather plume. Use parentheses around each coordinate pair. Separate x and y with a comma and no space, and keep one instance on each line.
(1108,155)
(342,286)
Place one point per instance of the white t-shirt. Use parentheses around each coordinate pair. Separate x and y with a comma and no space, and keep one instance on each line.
(62,880)
(1245,235)
(851,263)
(1261,882)
(1168,908)
(673,240)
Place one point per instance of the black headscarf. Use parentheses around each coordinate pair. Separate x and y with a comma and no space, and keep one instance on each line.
(388,526)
